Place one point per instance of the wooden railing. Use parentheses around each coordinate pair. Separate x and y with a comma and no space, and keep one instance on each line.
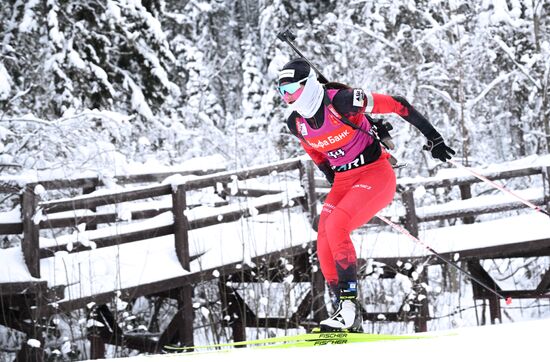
(33,210)
(460,208)
(465,184)
(86,185)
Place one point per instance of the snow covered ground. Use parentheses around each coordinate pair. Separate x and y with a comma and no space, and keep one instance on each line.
(519,341)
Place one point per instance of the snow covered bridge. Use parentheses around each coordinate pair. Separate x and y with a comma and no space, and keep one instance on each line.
(171,233)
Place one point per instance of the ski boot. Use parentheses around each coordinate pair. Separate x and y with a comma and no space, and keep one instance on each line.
(347,317)
(334,295)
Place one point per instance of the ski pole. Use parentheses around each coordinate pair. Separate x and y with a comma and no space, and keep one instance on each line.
(287,37)
(404,231)
(500,187)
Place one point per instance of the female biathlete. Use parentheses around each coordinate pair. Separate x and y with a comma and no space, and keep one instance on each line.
(330,122)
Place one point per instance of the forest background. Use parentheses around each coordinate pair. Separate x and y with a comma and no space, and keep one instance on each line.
(86,83)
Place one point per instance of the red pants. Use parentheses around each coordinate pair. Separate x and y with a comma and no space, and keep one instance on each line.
(356,196)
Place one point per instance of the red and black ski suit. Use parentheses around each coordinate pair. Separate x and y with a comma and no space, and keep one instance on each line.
(363,181)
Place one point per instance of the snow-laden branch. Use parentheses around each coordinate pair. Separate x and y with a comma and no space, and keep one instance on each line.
(111,116)
(443,94)
(471,103)
(373,35)
(508,52)
(27,119)
(437,27)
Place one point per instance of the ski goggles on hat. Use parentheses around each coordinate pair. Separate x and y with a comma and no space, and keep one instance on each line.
(291,88)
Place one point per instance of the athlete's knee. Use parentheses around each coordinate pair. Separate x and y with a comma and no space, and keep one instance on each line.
(337,222)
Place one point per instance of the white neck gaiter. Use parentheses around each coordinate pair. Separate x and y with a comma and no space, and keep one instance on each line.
(311,98)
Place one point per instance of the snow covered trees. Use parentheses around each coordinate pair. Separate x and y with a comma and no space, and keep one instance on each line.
(195,71)
(92,54)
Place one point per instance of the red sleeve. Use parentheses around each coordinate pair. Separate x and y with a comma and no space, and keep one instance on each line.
(315,155)
(382,103)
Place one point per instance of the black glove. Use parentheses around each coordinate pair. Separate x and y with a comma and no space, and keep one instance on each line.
(439,149)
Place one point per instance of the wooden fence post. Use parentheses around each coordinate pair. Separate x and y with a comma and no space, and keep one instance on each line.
(317,280)
(475,268)
(494,309)
(30,243)
(185,310)
(466,193)
(546,186)
(88,189)
(29,354)
(97,345)
(181,237)
(411,224)
(421,321)
(179,204)
(411,220)
(318,296)
(312,197)
(306,169)
(233,310)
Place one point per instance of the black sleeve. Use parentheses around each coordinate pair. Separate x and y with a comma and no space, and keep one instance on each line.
(349,101)
(417,119)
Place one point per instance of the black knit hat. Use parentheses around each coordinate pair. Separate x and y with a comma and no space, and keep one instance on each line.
(294,71)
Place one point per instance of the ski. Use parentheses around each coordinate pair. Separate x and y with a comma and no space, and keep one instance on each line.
(316,338)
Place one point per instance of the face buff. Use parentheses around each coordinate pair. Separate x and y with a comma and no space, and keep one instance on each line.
(311,98)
